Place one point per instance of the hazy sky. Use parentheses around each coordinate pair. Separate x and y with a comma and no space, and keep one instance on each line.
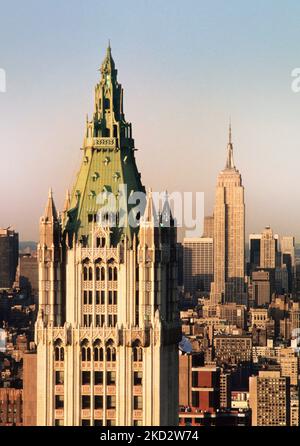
(185,66)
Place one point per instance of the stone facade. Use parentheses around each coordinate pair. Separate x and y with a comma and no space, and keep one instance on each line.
(108,326)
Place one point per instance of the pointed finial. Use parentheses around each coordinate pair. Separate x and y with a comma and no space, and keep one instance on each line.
(50,210)
(230,133)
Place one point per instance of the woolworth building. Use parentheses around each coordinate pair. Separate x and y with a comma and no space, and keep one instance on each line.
(108,325)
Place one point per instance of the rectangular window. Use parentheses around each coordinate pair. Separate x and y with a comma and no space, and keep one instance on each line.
(59,377)
(90,297)
(98,423)
(97,297)
(110,422)
(195,399)
(85,422)
(110,320)
(115,318)
(98,402)
(110,298)
(138,403)
(102,297)
(137,378)
(59,402)
(85,402)
(98,320)
(194,379)
(111,378)
(85,378)
(85,300)
(98,378)
(111,402)
(115,297)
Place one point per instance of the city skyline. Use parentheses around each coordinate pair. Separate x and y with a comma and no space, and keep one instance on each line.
(192,81)
(149,264)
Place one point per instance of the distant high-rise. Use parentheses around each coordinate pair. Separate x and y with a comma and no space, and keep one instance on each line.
(287,248)
(263,283)
(197,264)
(254,248)
(270,399)
(9,253)
(268,248)
(229,235)
(28,275)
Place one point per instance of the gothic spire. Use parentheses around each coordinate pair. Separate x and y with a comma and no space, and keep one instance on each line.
(149,213)
(67,201)
(230,161)
(108,65)
(50,210)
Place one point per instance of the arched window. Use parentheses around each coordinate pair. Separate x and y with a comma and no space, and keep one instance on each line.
(137,352)
(110,273)
(58,351)
(110,351)
(115,273)
(90,273)
(98,351)
(85,351)
(102,273)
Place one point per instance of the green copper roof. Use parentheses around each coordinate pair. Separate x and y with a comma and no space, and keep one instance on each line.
(108,158)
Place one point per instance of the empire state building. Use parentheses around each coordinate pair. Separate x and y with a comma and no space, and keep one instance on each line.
(229,235)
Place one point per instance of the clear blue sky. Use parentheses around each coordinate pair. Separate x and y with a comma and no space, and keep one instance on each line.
(185,67)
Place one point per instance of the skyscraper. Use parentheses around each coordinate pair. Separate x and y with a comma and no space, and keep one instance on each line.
(270,399)
(197,264)
(229,235)
(287,248)
(108,325)
(268,248)
(9,252)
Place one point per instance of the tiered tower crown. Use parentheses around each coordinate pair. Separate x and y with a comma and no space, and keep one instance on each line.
(108,162)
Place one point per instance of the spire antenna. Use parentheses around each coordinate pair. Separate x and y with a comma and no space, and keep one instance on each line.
(229,160)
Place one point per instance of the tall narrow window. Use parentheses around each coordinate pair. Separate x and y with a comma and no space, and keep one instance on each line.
(110,351)
(137,352)
(58,350)
(98,351)
(85,351)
